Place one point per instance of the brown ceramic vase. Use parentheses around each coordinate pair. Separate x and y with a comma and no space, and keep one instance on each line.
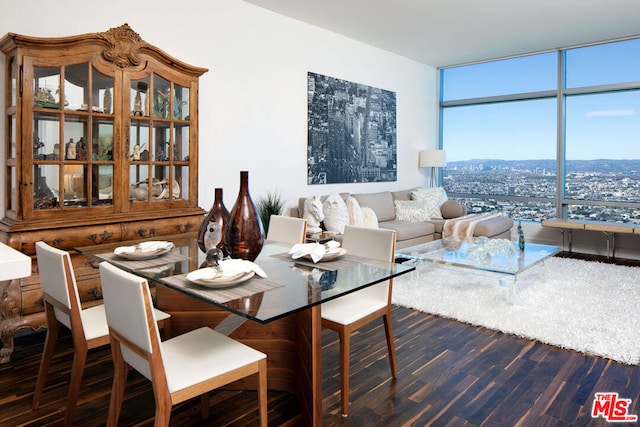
(243,234)
(212,230)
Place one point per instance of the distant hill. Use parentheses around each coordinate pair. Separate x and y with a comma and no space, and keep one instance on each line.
(597,165)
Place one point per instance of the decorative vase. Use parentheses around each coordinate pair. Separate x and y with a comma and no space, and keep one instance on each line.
(140,193)
(212,230)
(106,101)
(243,234)
(520,237)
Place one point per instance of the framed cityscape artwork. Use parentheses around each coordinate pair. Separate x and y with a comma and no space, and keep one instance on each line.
(351,132)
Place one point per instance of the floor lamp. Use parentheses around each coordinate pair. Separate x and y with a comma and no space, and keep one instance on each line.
(432,159)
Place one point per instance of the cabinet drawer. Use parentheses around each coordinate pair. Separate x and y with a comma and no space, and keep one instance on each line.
(67,238)
(90,294)
(90,290)
(161,227)
(31,301)
(87,279)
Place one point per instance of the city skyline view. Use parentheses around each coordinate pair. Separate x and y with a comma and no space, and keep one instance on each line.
(515,183)
(508,125)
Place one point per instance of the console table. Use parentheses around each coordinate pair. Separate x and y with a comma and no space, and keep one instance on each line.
(14,265)
(609,229)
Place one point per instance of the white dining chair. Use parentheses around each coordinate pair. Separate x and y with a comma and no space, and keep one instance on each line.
(183,367)
(62,307)
(350,312)
(287,229)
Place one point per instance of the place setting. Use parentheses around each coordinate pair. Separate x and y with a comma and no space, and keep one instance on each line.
(325,256)
(228,272)
(317,252)
(144,250)
(224,280)
(145,254)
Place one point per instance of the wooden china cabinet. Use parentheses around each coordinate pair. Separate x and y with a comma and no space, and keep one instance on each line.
(100,146)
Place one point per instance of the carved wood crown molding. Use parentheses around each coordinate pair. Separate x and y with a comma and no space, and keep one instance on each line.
(123,46)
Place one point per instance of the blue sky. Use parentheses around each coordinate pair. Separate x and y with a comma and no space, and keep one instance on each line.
(602,125)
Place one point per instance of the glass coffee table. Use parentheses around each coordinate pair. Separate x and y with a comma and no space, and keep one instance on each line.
(497,258)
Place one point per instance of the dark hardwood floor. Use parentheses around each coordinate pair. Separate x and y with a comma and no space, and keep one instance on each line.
(450,374)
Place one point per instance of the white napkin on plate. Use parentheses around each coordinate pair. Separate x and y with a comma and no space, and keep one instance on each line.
(232,267)
(150,246)
(207,273)
(226,268)
(315,250)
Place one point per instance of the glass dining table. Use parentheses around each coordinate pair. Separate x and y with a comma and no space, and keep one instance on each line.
(283,308)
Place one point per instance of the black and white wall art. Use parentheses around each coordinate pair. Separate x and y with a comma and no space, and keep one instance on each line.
(351,132)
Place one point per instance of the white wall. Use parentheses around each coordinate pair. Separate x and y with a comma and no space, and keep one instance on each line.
(253,100)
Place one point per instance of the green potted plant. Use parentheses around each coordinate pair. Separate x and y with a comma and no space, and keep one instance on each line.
(268,205)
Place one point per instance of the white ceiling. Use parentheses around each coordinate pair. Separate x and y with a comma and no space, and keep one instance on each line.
(449,32)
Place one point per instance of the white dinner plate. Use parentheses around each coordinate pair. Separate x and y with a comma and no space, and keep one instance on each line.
(142,255)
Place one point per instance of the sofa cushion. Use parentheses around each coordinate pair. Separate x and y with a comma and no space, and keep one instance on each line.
(336,215)
(438,225)
(403,195)
(381,203)
(408,230)
(411,210)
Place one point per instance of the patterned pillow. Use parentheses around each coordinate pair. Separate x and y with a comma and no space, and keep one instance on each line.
(411,210)
(336,215)
(433,197)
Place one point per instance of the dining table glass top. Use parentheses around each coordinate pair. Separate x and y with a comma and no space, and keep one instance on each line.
(289,286)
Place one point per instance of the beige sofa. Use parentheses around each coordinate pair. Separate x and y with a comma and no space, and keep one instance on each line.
(411,233)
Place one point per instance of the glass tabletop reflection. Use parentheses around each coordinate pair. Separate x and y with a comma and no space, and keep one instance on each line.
(289,286)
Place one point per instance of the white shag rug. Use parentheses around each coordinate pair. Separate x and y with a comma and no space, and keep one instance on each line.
(587,306)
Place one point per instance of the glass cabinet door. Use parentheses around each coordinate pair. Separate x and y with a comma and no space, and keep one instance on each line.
(11,169)
(73,162)
(46,137)
(158,141)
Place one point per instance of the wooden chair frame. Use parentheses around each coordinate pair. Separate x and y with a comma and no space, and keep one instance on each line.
(81,345)
(163,397)
(344,332)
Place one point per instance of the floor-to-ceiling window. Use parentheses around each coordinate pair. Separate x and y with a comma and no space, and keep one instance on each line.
(554,134)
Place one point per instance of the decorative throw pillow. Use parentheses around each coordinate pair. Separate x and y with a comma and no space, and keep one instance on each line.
(411,210)
(355,212)
(452,209)
(336,215)
(433,197)
(369,217)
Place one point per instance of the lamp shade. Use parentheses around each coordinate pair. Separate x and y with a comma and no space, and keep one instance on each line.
(432,159)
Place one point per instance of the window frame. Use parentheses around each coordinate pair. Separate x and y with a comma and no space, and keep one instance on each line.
(561,93)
